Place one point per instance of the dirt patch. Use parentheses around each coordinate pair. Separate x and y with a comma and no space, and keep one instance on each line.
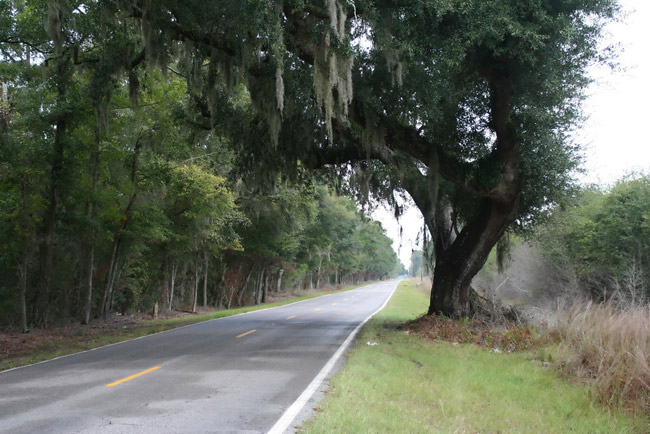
(16,344)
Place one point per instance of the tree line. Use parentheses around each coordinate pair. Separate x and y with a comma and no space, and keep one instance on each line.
(466,107)
(603,239)
(111,201)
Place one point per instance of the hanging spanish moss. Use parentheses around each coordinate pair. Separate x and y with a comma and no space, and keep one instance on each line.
(279,88)
(155,42)
(333,70)
(373,137)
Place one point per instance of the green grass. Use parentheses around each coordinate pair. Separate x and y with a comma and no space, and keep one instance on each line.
(410,385)
(83,342)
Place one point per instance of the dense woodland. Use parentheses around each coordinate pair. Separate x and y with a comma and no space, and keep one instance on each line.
(151,148)
(111,202)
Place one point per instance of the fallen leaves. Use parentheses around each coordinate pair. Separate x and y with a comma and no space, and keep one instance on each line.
(506,337)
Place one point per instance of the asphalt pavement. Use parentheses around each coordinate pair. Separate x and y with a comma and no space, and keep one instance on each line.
(238,374)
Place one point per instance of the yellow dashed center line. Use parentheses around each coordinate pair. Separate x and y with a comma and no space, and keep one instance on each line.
(124,380)
(244,334)
(318,308)
(333,304)
(292,316)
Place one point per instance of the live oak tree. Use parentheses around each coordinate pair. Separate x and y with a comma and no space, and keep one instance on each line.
(464,105)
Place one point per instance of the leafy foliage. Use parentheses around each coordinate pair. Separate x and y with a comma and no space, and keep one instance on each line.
(604,238)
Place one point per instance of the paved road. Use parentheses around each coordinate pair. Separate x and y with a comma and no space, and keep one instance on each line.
(236,374)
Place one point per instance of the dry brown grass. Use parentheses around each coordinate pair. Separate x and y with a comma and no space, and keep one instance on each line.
(609,348)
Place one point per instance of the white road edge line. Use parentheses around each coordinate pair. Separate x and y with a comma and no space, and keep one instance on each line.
(290,413)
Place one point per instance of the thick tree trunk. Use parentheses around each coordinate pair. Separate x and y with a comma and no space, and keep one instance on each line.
(456,266)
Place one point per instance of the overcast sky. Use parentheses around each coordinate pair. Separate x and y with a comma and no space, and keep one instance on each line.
(614,138)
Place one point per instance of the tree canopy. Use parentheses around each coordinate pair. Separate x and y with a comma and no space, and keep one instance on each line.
(464,106)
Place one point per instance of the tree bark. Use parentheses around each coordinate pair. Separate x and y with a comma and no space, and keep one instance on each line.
(320,265)
(110,278)
(265,292)
(206,261)
(91,241)
(242,290)
(89,282)
(456,266)
(170,305)
(231,289)
(279,286)
(195,291)
(259,290)
(24,257)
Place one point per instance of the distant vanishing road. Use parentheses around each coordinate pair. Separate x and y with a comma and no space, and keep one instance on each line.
(237,374)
